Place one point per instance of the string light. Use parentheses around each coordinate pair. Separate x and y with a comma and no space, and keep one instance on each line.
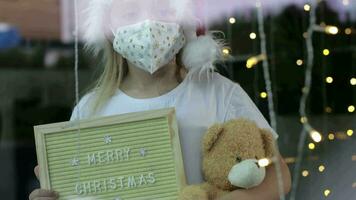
(264,162)
(327,192)
(232,20)
(328,109)
(351,109)
(311,146)
(226,51)
(253,36)
(263,95)
(333,30)
(255,60)
(348,31)
(299,62)
(350,132)
(353,81)
(329,79)
(326,52)
(316,136)
(307,7)
(331,136)
(305,173)
(321,168)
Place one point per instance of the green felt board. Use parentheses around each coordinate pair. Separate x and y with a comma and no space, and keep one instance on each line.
(103,179)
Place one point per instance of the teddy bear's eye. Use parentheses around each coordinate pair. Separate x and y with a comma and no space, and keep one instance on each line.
(238,159)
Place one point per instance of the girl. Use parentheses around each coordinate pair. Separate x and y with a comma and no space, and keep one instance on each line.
(155,60)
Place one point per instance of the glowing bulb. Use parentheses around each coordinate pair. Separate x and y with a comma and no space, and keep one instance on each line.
(316,136)
(331,136)
(353,81)
(321,168)
(311,146)
(333,30)
(303,120)
(226,51)
(348,31)
(299,62)
(232,20)
(263,95)
(329,79)
(350,132)
(305,173)
(264,162)
(345,2)
(253,36)
(327,192)
(307,7)
(351,109)
(328,109)
(326,52)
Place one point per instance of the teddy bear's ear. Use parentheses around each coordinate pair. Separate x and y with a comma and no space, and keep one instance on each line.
(268,142)
(211,136)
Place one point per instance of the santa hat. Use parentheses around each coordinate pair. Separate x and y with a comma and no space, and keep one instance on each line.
(200,52)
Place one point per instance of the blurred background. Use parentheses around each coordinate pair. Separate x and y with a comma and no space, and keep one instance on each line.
(37,84)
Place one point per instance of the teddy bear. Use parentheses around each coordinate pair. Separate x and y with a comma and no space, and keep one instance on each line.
(230,159)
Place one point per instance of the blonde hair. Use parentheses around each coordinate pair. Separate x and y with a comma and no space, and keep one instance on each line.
(109,81)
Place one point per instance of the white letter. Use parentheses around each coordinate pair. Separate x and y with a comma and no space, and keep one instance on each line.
(131,182)
(151,177)
(91,159)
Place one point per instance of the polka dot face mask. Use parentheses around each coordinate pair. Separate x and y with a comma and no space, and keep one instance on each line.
(149,45)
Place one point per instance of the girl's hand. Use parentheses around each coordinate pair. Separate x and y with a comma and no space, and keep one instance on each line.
(41,194)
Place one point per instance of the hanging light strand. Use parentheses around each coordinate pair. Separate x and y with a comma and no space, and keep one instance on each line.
(307,128)
(76,75)
(272,115)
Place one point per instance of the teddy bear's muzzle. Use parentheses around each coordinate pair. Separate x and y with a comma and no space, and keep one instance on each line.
(247,174)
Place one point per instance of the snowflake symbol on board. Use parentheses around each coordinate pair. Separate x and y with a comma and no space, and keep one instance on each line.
(107,139)
(75,162)
(143,152)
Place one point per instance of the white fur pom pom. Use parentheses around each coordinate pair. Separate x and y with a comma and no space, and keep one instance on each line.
(94,26)
(201,53)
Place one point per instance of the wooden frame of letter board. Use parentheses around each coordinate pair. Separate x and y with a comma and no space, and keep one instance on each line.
(42,130)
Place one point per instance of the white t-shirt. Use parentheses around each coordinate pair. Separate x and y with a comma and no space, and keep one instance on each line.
(199,102)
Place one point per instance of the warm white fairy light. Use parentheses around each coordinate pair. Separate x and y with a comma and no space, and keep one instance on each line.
(307,7)
(263,95)
(299,62)
(253,36)
(311,146)
(351,108)
(305,173)
(327,192)
(329,79)
(254,60)
(321,168)
(331,136)
(232,20)
(226,51)
(353,81)
(264,162)
(326,52)
(348,31)
(333,30)
(350,132)
(316,136)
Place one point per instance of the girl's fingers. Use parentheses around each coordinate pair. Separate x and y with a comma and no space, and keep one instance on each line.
(37,171)
(39,194)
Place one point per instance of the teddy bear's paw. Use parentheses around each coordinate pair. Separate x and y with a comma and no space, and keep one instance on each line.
(193,193)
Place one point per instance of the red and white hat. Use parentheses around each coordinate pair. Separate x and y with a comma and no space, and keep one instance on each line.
(200,51)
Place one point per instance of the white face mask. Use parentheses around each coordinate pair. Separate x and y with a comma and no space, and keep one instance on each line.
(149,45)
